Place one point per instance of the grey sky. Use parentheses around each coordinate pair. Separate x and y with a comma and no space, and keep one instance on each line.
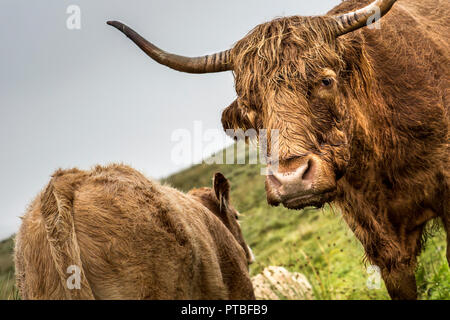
(81,97)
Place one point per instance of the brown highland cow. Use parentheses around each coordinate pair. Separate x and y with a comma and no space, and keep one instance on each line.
(126,237)
(362,112)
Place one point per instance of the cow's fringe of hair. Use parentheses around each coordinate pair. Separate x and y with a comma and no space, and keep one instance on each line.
(278,57)
(258,58)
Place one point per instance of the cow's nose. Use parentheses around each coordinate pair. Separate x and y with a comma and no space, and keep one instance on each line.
(302,176)
(293,177)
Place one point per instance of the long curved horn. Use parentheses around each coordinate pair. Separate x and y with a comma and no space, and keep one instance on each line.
(354,20)
(216,62)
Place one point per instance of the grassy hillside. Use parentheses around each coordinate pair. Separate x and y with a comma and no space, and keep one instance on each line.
(314,242)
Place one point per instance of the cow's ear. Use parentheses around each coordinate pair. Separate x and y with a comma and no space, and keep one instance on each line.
(236,117)
(221,188)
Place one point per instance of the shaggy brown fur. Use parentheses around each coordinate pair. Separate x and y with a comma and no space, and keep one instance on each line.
(132,238)
(379,128)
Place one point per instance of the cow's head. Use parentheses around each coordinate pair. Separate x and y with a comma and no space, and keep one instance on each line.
(294,75)
(217,200)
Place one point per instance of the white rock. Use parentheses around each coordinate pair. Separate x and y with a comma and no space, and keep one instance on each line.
(277,283)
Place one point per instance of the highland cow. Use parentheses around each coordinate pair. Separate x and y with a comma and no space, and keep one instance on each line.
(126,237)
(362,114)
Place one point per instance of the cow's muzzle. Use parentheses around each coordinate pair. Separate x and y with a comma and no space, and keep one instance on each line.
(301,182)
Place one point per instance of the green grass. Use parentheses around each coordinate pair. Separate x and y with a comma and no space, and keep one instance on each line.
(7,281)
(314,242)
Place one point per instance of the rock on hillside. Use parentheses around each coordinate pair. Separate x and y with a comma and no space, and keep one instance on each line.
(276,283)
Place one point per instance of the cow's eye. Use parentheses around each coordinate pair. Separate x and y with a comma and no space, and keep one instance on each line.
(327,82)
(237,217)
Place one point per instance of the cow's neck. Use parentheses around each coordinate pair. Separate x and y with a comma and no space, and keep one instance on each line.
(395,119)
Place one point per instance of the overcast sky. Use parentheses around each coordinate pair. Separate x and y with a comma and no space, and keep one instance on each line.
(82,97)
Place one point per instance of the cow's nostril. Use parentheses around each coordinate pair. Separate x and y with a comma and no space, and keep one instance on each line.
(274,181)
(309,172)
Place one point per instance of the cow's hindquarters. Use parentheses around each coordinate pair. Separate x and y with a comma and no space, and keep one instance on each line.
(57,212)
(47,256)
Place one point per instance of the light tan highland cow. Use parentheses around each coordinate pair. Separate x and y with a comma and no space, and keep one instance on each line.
(110,233)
